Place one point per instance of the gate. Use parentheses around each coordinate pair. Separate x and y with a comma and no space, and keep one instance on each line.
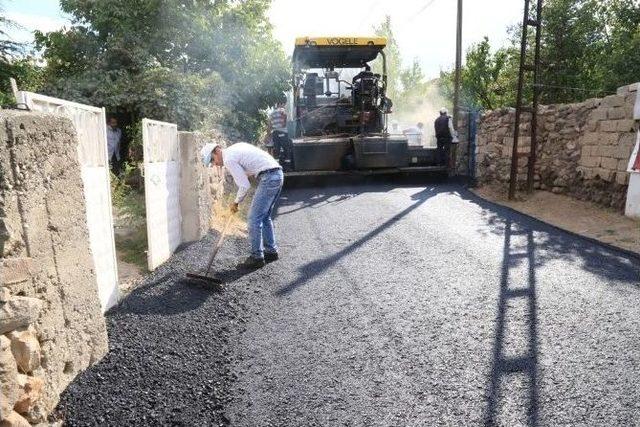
(162,190)
(91,126)
(473,117)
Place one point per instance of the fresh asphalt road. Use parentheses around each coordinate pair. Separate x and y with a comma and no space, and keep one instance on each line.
(392,305)
(423,305)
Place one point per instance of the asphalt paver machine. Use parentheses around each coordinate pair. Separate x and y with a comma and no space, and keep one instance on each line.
(338,112)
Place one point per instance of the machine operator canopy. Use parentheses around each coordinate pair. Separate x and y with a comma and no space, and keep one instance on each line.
(338,52)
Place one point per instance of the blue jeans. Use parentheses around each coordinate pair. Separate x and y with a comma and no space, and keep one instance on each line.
(261,233)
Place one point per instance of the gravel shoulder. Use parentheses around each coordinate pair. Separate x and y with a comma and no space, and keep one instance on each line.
(578,216)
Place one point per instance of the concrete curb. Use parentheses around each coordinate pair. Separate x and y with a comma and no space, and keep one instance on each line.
(593,240)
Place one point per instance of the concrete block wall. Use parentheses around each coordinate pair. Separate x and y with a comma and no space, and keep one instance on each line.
(200,186)
(51,324)
(583,148)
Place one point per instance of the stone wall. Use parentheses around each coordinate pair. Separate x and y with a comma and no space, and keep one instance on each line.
(51,325)
(583,148)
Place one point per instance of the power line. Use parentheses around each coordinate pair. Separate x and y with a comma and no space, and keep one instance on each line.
(372,9)
(422,9)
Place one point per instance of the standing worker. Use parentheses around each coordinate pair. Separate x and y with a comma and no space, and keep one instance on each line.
(243,160)
(114,135)
(445,136)
(278,128)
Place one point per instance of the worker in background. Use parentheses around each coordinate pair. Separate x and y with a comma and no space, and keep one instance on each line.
(414,134)
(445,135)
(278,131)
(114,135)
(243,160)
(363,74)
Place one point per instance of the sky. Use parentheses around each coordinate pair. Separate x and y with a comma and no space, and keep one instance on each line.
(425,29)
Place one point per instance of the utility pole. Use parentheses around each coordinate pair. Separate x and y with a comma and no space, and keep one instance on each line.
(456,89)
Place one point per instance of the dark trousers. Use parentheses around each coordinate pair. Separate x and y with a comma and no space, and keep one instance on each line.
(281,145)
(444,149)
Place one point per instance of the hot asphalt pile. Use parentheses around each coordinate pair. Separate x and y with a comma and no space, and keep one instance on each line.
(168,361)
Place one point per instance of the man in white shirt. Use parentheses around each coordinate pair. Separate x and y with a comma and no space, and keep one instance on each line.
(114,135)
(243,160)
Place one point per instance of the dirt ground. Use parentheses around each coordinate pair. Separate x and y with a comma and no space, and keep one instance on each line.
(577,216)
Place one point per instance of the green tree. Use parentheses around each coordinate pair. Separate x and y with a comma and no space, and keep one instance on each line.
(195,62)
(406,86)
(588,48)
(14,63)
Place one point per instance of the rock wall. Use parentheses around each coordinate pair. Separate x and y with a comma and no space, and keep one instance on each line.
(51,325)
(583,148)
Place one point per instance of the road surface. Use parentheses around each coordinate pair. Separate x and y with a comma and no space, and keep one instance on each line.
(392,305)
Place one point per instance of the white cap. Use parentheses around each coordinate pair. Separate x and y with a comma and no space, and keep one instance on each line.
(207,152)
(444,110)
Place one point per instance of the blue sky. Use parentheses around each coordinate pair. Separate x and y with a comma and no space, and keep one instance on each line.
(425,29)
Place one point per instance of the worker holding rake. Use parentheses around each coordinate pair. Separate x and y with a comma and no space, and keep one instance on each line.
(244,160)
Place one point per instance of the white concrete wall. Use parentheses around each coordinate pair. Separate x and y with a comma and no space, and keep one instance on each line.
(632,208)
(90,125)
(162,190)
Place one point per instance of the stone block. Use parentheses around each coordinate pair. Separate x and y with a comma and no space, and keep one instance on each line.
(586,161)
(623,164)
(609,126)
(622,91)
(617,113)
(623,151)
(622,178)
(598,114)
(605,174)
(590,138)
(18,312)
(9,389)
(13,419)
(26,350)
(613,100)
(609,163)
(610,138)
(626,125)
(606,150)
(633,87)
(31,392)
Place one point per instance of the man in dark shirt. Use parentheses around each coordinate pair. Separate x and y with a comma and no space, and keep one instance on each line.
(445,135)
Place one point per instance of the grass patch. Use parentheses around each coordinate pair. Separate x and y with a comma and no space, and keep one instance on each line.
(130,216)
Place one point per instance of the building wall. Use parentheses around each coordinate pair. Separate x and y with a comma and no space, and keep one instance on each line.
(51,324)
(583,148)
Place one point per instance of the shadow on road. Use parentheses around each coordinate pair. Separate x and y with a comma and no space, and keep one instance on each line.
(554,244)
(526,364)
(315,268)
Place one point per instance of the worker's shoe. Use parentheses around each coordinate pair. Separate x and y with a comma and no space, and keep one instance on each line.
(270,257)
(252,263)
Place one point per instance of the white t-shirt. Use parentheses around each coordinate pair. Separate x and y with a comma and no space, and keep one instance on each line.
(243,160)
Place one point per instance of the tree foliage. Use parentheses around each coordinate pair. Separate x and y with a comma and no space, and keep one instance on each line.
(406,85)
(588,49)
(193,62)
